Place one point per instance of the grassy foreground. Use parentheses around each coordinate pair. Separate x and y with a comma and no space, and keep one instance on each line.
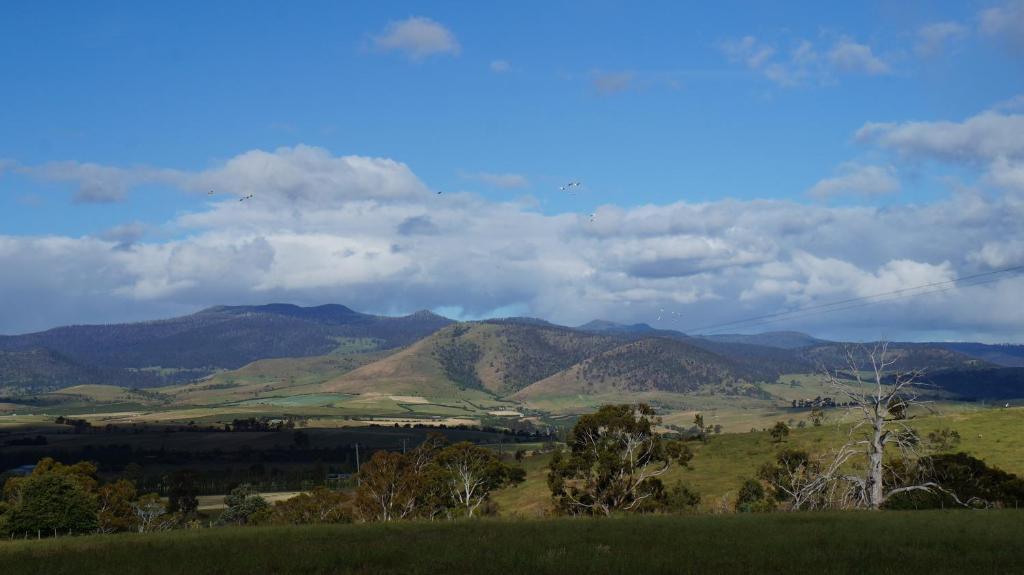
(889,542)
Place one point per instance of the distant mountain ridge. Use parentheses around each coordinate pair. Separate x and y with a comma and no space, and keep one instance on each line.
(1006,354)
(223,337)
(779,339)
(502,356)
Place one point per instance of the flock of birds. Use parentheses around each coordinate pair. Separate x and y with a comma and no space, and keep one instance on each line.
(241,199)
(571,187)
(674,314)
(567,187)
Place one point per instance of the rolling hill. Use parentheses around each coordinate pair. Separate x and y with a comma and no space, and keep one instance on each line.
(1006,355)
(650,364)
(499,357)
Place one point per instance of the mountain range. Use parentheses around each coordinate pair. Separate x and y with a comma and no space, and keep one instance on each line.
(152,353)
(520,358)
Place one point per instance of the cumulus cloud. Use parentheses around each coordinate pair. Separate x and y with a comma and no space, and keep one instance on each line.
(987,136)
(804,61)
(368,233)
(499,180)
(418,38)
(1006,174)
(857,179)
(1000,253)
(991,140)
(300,174)
(417,225)
(125,235)
(933,38)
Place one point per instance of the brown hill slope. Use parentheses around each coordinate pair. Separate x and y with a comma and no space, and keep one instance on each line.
(498,357)
(653,364)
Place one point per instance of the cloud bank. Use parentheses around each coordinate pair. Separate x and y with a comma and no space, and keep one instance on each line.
(367,232)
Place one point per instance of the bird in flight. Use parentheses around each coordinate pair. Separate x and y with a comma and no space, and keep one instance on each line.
(592,217)
(569,187)
(210,193)
(249,197)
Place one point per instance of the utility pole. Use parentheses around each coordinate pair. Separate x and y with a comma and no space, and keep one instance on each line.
(403,446)
(357,464)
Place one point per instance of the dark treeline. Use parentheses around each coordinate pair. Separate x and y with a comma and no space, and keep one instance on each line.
(299,460)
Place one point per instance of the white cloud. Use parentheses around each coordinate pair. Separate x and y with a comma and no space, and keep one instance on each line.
(987,136)
(1006,174)
(500,66)
(857,179)
(748,50)
(125,235)
(933,38)
(850,56)
(1005,20)
(499,180)
(299,174)
(417,37)
(100,184)
(368,233)
(804,62)
(1000,253)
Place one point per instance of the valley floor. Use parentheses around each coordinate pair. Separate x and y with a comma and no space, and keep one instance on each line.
(933,542)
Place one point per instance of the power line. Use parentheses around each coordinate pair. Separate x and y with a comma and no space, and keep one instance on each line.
(867,303)
(863,301)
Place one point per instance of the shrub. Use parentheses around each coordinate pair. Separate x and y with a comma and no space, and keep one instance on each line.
(243,503)
(752,498)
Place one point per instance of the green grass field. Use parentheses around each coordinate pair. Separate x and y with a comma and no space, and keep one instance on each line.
(719,467)
(907,543)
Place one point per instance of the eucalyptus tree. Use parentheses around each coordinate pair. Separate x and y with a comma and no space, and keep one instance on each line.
(614,460)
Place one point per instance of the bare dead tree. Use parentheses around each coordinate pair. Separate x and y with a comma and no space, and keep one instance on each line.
(882,400)
(151,515)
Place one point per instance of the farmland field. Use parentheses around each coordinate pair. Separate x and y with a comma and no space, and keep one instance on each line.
(931,543)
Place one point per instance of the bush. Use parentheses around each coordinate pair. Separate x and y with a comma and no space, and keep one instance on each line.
(52,502)
(752,498)
(681,499)
(243,503)
(56,497)
(962,477)
(779,432)
(321,505)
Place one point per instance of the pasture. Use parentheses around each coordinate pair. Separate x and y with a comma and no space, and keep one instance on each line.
(720,466)
(906,543)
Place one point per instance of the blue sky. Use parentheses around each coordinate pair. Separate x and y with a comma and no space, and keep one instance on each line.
(656,104)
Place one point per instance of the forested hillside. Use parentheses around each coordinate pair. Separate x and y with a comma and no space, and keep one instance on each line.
(184,348)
